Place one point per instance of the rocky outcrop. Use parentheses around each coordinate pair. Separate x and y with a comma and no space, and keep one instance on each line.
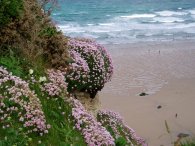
(91,104)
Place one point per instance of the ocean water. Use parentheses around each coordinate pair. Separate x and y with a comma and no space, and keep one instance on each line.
(125,21)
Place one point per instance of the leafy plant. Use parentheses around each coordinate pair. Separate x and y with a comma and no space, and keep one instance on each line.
(9,10)
(121,141)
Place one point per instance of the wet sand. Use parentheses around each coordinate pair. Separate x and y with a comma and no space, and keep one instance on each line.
(164,70)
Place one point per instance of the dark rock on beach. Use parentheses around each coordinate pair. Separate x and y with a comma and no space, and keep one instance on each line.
(143,94)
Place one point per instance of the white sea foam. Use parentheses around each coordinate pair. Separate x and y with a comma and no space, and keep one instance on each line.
(186,26)
(192,11)
(90,24)
(134,16)
(119,30)
(171,13)
(71,28)
(168,19)
(106,24)
(193,16)
(100,31)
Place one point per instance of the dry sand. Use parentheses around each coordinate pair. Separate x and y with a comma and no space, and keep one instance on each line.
(164,70)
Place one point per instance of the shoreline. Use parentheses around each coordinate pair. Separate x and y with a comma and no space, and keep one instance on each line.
(150,42)
(168,76)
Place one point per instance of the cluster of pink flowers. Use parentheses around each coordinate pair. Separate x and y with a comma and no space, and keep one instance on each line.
(94,133)
(115,121)
(57,83)
(22,101)
(92,66)
(79,64)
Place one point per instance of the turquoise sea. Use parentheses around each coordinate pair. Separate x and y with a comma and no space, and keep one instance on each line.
(124,21)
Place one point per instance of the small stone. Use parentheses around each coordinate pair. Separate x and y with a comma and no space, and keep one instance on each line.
(159,106)
(143,94)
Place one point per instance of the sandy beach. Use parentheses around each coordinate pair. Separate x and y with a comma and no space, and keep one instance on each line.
(165,71)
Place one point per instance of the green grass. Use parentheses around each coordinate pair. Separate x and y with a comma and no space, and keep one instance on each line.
(188,143)
(13,63)
(62,131)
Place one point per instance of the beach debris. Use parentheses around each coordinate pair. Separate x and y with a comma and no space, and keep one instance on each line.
(159,106)
(177,142)
(176,115)
(143,94)
(182,135)
(167,127)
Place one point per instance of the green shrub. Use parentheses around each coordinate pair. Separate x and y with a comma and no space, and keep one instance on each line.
(49,31)
(9,10)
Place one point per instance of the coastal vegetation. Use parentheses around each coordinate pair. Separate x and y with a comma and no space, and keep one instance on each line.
(92,66)
(40,70)
(188,143)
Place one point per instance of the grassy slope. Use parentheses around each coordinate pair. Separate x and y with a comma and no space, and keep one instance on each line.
(61,132)
(29,41)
